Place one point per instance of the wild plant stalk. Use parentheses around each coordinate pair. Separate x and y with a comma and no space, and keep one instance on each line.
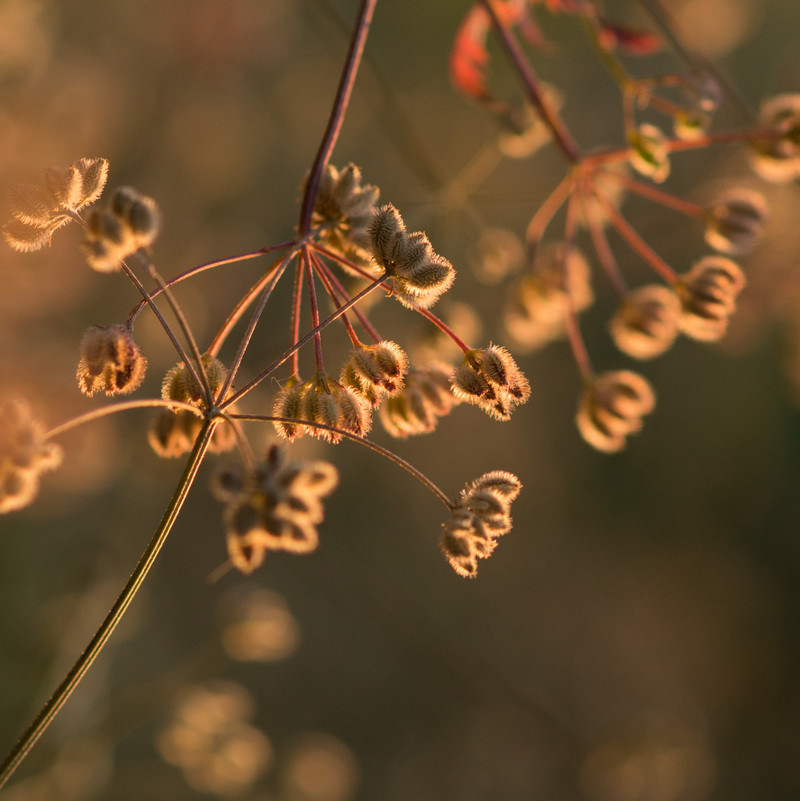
(51,708)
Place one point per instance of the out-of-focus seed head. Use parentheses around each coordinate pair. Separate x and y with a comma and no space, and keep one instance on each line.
(275,506)
(25,454)
(735,222)
(646,323)
(137,212)
(611,407)
(777,158)
(425,397)
(522,130)
(537,304)
(110,361)
(708,294)
(497,253)
(649,153)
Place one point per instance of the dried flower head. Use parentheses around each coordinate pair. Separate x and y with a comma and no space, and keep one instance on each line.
(649,153)
(612,405)
(24,455)
(39,210)
(335,407)
(375,370)
(777,158)
(482,514)
(735,222)
(646,322)
(417,275)
(210,739)
(130,222)
(708,294)
(537,303)
(276,506)
(490,379)
(345,208)
(425,397)
(110,361)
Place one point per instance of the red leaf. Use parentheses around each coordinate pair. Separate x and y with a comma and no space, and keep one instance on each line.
(633,41)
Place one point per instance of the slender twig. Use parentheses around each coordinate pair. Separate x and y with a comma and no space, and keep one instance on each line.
(325,276)
(533,86)
(419,475)
(336,117)
(312,299)
(287,354)
(85,660)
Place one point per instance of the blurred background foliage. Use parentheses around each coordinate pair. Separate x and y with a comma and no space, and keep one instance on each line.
(635,638)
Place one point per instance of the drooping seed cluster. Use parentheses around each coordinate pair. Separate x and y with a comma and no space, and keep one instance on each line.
(344,207)
(131,221)
(417,274)
(334,407)
(24,455)
(40,209)
(111,361)
(173,431)
(275,506)
(490,379)
(374,371)
(481,516)
(611,407)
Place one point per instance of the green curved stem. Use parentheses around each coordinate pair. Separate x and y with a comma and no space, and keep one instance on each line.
(93,649)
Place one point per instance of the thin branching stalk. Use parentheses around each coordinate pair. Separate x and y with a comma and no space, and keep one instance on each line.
(93,649)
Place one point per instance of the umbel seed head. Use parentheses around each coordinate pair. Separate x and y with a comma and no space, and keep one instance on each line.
(110,361)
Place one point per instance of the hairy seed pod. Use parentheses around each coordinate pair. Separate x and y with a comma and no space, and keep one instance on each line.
(110,361)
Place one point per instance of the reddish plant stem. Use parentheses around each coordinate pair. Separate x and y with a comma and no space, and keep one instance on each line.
(326,278)
(660,197)
(604,253)
(312,297)
(638,244)
(336,117)
(532,85)
(444,328)
(295,322)
(545,213)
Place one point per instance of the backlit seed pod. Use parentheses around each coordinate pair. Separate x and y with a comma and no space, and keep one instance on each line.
(611,407)
(418,275)
(110,361)
(482,515)
(179,384)
(491,380)
(708,294)
(646,323)
(649,153)
(690,125)
(25,454)
(777,158)
(350,378)
(354,413)
(137,212)
(289,403)
(39,210)
(344,207)
(379,367)
(735,223)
